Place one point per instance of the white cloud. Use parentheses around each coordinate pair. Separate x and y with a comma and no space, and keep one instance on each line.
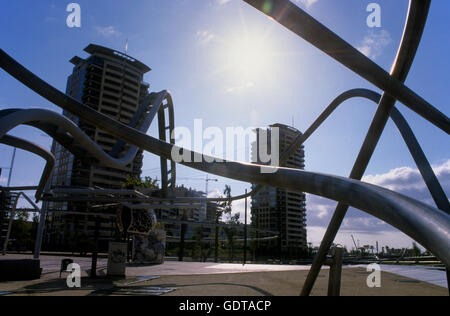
(222,2)
(107,31)
(214,194)
(240,87)
(408,181)
(374,43)
(237,206)
(205,37)
(306,3)
(393,239)
(404,180)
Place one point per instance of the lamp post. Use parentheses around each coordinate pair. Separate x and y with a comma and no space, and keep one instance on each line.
(10,169)
(245,230)
(206,197)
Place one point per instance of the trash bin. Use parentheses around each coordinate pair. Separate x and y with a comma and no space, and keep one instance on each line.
(117,259)
(65,263)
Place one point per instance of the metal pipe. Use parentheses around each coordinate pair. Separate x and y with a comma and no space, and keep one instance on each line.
(421,222)
(245,232)
(92,191)
(161,207)
(11,220)
(414,27)
(308,183)
(11,167)
(37,150)
(141,112)
(26,116)
(364,93)
(40,229)
(407,134)
(10,116)
(12,189)
(298,21)
(425,169)
(334,281)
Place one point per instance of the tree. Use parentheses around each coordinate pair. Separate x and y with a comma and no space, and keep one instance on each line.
(204,248)
(231,220)
(416,252)
(21,232)
(220,210)
(137,182)
(183,229)
(231,232)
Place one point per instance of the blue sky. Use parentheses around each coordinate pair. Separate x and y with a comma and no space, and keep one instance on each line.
(191,45)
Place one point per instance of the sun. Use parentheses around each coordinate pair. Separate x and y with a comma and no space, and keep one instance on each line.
(248,58)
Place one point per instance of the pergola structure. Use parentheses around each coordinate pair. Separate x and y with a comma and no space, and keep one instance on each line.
(428,225)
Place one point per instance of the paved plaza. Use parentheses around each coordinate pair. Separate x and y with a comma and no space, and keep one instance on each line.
(207,279)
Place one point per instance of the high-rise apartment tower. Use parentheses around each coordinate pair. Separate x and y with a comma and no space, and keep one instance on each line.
(277,209)
(111,83)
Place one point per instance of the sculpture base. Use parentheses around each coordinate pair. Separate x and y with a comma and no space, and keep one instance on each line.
(150,249)
(20,270)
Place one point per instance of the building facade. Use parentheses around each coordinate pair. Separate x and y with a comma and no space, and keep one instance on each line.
(111,83)
(278,209)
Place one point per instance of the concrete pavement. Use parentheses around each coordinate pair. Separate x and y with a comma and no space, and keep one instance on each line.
(209,279)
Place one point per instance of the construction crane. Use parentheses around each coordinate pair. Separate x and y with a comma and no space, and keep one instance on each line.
(356,247)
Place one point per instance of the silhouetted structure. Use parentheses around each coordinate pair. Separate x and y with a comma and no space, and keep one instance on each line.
(279,209)
(111,83)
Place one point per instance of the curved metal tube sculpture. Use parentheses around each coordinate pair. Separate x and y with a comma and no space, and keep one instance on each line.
(298,21)
(416,151)
(47,123)
(19,117)
(414,27)
(406,132)
(38,150)
(408,136)
(410,139)
(427,225)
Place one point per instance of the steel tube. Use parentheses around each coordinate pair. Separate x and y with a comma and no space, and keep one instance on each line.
(10,223)
(364,93)
(407,134)
(161,206)
(28,116)
(334,282)
(342,190)
(397,210)
(414,27)
(13,189)
(37,150)
(157,99)
(298,21)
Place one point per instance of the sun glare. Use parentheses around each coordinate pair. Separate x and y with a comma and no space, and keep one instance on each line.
(248,59)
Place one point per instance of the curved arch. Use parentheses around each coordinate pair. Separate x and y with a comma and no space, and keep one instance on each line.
(47,123)
(423,223)
(402,125)
(15,118)
(38,150)
(33,116)
(302,24)
(412,35)
(427,225)
(414,147)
